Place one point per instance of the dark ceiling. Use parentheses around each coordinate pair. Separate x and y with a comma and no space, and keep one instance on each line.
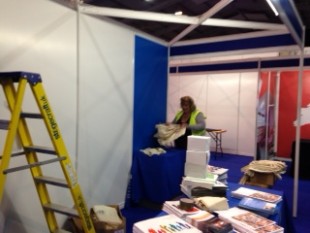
(243,10)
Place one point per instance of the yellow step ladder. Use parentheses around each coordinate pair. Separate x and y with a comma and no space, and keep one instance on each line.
(14,85)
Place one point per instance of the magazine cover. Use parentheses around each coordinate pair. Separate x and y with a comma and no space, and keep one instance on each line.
(173,207)
(258,205)
(217,225)
(245,221)
(167,223)
(248,192)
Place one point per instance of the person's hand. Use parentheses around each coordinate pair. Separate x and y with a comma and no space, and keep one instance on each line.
(183,125)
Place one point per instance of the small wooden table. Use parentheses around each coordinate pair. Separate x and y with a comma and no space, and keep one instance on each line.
(216,135)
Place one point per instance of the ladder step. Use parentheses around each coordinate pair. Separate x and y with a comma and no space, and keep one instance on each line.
(18,153)
(31,115)
(16,75)
(61,209)
(17,127)
(40,149)
(4,124)
(15,169)
(61,231)
(15,154)
(52,181)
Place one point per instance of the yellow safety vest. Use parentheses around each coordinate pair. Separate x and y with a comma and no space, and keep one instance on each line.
(192,121)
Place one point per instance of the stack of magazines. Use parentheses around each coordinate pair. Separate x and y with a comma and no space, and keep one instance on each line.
(173,207)
(248,192)
(207,184)
(194,216)
(245,221)
(167,223)
(221,172)
(217,225)
(258,206)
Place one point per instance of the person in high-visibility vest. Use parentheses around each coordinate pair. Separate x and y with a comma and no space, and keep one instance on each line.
(191,118)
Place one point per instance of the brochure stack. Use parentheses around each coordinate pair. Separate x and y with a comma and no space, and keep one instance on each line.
(167,223)
(197,170)
(245,221)
(197,156)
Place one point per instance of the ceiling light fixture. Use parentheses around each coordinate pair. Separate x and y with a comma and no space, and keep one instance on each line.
(272,7)
(178,13)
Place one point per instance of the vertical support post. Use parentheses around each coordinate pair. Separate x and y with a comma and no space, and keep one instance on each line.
(297,147)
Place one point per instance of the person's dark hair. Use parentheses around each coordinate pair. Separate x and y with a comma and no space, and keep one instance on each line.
(190,101)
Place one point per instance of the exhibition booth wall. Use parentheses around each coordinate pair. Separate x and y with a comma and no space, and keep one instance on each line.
(88,67)
(150,91)
(232,100)
(287,111)
(108,88)
(233,80)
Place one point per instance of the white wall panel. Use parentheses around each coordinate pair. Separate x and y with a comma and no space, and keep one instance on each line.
(91,102)
(228,101)
(247,114)
(196,86)
(191,85)
(222,107)
(105,110)
(173,97)
(38,36)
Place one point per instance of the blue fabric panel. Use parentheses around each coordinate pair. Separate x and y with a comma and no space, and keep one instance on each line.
(172,70)
(218,67)
(284,63)
(291,16)
(240,44)
(280,63)
(157,178)
(150,91)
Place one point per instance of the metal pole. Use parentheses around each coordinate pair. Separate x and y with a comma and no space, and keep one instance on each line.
(297,143)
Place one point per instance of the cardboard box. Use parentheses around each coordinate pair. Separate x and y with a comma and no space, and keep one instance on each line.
(198,143)
(194,170)
(197,157)
(265,180)
(103,227)
(109,228)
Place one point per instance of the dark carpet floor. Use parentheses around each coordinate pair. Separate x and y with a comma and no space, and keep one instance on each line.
(301,223)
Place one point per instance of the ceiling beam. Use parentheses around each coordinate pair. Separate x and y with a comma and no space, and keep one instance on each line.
(170,18)
(138,15)
(216,8)
(243,24)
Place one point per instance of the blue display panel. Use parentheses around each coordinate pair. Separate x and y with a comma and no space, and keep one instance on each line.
(150,91)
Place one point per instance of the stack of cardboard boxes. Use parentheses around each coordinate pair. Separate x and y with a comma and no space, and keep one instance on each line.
(197,156)
(196,165)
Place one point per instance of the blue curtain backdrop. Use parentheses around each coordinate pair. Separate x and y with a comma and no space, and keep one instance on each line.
(150,91)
